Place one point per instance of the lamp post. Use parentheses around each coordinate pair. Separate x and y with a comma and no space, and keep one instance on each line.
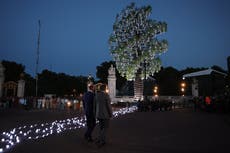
(155,91)
(183,85)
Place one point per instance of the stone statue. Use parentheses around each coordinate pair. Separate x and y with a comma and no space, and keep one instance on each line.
(89,81)
(112,70)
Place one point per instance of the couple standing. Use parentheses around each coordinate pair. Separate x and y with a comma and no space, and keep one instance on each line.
(97,105)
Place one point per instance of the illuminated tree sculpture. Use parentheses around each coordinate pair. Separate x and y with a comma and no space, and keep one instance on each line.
(134,45)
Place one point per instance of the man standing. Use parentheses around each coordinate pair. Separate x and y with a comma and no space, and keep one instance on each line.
(88,104)
(103,113)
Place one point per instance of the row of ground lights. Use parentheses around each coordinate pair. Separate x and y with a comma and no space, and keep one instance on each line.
(36,131)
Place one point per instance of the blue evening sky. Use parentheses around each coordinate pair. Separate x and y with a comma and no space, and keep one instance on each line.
(74,33)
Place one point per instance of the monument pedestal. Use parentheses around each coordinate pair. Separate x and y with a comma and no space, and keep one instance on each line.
(112,83)
(21,88)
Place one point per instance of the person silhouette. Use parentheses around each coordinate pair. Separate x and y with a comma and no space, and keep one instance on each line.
(88,105)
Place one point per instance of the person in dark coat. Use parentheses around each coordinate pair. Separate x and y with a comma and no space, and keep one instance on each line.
(89,109)
(103,113)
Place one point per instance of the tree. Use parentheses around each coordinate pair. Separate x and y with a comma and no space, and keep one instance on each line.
(168,80)
(60,83)
(102,71)
(218,68)
(12,70)
(134,44)
(29,85)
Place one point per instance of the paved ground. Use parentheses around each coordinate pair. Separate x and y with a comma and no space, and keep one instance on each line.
(181,131)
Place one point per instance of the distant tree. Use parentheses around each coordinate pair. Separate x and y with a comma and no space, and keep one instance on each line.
(227,88)
(29,85)
(134,44)
(168,80)
(218,68)
(102,71)
(60,84)
(81,84)
(47,82)
(12,70)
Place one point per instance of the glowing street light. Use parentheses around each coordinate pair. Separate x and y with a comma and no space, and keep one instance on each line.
(183,85)
(155,91)
(107,89)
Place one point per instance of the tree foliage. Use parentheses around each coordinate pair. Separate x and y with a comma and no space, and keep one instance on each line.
(134,44)
(13,70)
(168,80)
(48,82)
(102,71)
(60,83)
(217,68)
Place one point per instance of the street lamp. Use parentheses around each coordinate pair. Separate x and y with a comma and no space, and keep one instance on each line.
(155,91)
(107,89)
(183,85)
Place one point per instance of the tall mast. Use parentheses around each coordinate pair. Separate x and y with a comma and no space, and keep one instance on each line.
(37,59)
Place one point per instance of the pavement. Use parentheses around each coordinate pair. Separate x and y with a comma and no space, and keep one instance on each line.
(177,131)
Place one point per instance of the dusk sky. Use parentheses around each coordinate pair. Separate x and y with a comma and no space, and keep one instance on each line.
(74,33)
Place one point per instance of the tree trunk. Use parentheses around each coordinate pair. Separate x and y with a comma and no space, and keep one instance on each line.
(138,86)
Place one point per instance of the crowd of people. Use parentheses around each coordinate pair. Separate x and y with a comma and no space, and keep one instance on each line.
(219,103)
(47,102)
(154,105)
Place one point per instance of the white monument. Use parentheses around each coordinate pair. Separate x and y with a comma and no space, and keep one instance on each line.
(195,91)
(112,83)
(2,78)
(89,81)
(21,87)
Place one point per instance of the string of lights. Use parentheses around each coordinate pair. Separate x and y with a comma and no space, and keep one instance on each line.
(36,131)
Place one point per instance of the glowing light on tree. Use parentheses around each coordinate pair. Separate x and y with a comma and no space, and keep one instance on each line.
(134,44)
